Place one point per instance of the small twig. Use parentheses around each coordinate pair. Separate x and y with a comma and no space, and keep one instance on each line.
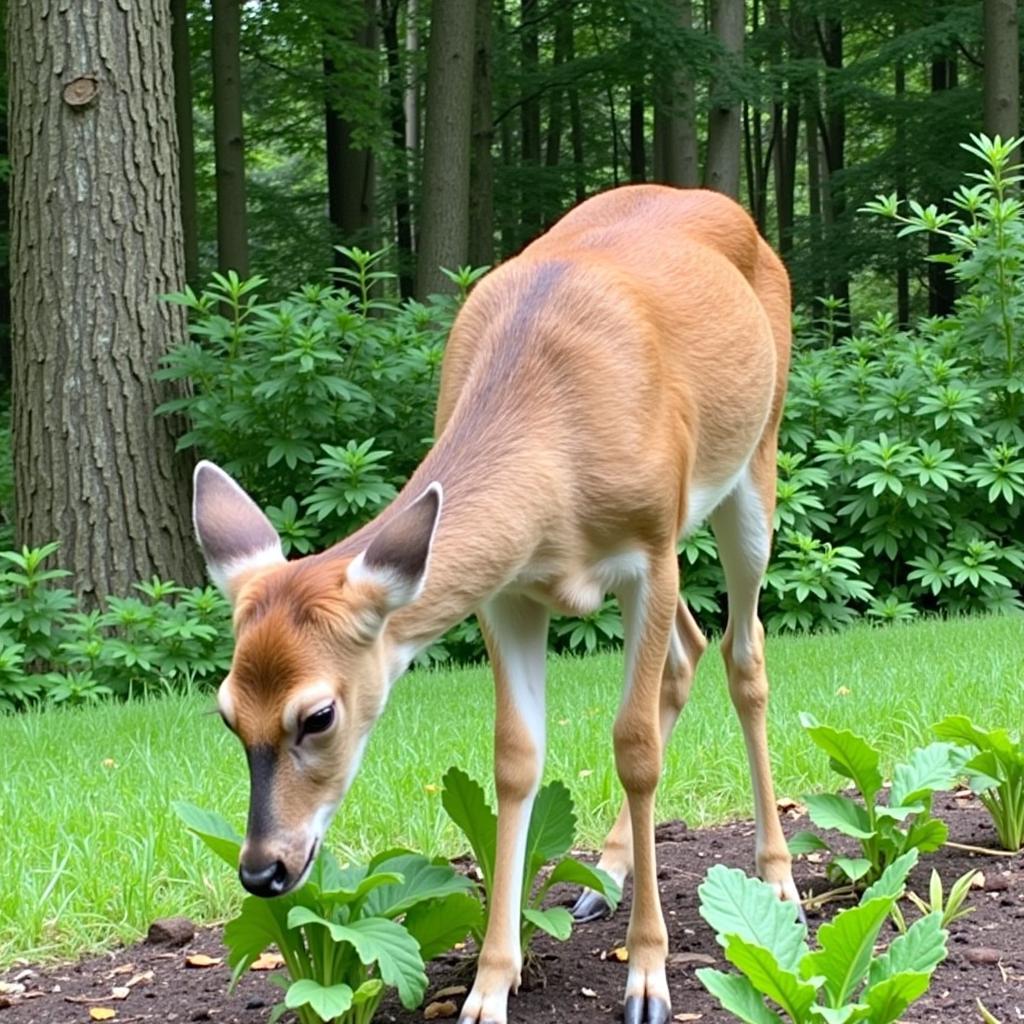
(985,850)
(832,896)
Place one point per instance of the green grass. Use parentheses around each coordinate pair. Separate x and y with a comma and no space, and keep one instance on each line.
(91,851)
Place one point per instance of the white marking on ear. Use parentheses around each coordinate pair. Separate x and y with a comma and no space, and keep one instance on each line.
(222,575)
(398,558)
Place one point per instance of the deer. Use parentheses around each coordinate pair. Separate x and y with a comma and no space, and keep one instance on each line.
(603,393)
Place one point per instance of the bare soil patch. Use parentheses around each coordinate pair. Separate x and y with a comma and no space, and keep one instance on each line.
(582,979)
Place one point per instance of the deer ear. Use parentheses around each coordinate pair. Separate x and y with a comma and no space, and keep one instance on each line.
(397,559)
(236,537)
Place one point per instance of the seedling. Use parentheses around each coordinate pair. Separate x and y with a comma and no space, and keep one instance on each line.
(995,773)
(549,838)
(339,934)
(884,831)
(841,982)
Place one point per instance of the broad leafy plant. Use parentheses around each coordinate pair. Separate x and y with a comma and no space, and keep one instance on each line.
(549,838)
(886,831)
(995,771)
(842,981)
(349,933)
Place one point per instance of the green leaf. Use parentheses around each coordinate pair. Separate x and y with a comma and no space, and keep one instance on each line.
(463,799)
(929,769)
(766,975)
(575,872)
(855,868)
(418,879)
(922,948)
(893,878)
(829,810)
(259,924)
(377,940)
(367,887)
(552,827)
(806,842)
(849,755)
(737,996)
(891,997)
(213,830)
(556,921)
(438,924)
(840,1014)
(734,904)
(960,729)
(928,834)
(326,1001)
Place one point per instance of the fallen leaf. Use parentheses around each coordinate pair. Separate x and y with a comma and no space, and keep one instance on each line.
(267,962)
(440,1010)
(690,958)
(108,762)
(202,960)
(459,945)
(978,881)
(563,721)
(102,1013)
(9,988)
(619,953)
(843,691)
(688,1016)
(120,992)
(815,858)
(139,979)
(431,788)
(589,993)
(451,990)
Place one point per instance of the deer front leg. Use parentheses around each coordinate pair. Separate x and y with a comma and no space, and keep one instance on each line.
(648,610)
(515,629)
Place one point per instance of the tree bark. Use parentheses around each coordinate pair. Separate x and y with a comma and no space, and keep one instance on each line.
(834,139)
(637,148)
(96,238)
(1002,68)
(675,119)
(563,49)
(529,120)
(575,122)
(444,222)
(902,264)
(186,137)
(814,204)
(351,173)
(397,99)
(941,285)
(228,138)
(481,190)
(722,171)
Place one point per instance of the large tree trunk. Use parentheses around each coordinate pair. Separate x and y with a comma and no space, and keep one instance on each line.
(444,221)
(186,139)
(481,191)
(722,171)
(675,120)
(1002,68)
(96,239)
(398,116)
(351,177)
(228,140)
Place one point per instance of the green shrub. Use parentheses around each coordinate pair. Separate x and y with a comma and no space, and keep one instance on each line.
(50,650)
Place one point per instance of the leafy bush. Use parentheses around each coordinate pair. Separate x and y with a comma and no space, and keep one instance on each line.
(995,773)
(339,934)
(885,832)
(549,838)
(167,636)
(844,980)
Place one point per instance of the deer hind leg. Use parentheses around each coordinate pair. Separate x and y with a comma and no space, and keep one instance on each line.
(743,528)
(685,648)
(516,631)
(649,608)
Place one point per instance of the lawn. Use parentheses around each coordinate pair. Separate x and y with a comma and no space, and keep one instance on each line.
(92,852)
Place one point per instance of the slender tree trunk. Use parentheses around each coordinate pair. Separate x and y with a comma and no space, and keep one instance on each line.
(399,135)
(444,230)
(413,112)
(186,137)
(96,238)
(834,140)
(637,149)
(481,189)
(575,120)
(814,206)
(1002,68)
(351,172)
(228,139)
(941,286)
(722,171)
(5,258)
(563,46)
(529,113)
(675,120)
(902,265)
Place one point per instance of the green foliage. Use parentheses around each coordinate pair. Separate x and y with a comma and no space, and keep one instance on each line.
(50,650)
(885,832)
(995,772)
(549,838)
(844,980)
(319,404)
(950,906)
(340,935)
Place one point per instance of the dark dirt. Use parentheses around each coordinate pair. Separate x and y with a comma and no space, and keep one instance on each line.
(582,981)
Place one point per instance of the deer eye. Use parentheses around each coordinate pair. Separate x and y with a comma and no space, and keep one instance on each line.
(320,721)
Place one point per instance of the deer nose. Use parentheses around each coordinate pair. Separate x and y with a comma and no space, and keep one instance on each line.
(268,881)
